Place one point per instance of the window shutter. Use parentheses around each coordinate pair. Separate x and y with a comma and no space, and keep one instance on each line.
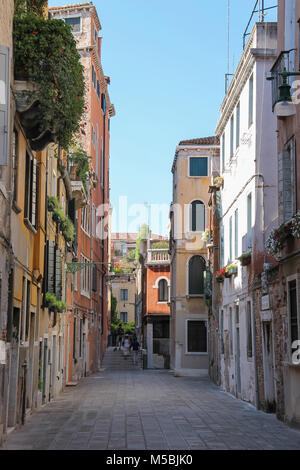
(94,286)
(51,267)
(4,104)
(58,274)
(33,194)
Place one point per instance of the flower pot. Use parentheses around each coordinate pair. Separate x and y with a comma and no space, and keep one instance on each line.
(232,271)
(56,218)
(220,279)
(228,274)
(246,261)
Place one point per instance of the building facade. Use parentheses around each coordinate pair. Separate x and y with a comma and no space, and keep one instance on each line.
(282,289)
(248,211)
(194,162)
(88,322)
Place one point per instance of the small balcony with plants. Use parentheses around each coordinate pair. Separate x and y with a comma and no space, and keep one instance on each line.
(284,239)
(63,222)
(82,179)
(49,83)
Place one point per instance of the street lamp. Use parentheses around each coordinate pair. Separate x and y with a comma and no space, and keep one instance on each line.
(285,106)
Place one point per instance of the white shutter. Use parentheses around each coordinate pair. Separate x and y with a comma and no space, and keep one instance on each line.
(4,104)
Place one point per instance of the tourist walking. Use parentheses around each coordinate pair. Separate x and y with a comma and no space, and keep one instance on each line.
(135,345)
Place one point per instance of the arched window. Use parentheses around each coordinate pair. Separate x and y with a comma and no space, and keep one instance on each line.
(197,216)
(163,291)
(196,275)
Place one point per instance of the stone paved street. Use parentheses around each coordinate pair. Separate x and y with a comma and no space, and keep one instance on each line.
(150,410)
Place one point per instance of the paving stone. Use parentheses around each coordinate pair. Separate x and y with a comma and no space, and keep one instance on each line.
(135,410)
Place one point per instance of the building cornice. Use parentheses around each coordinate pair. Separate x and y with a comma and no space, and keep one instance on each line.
(242,74)
(74,8)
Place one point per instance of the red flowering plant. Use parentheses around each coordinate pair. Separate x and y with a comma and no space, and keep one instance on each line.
(220,274)
(277,238)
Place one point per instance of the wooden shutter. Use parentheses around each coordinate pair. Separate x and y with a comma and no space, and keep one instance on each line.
(94,284)
(33,199)
(58,274)
(51,267)
(4,103)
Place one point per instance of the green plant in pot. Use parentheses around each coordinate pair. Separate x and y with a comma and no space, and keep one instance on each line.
(52,203)
(245,258)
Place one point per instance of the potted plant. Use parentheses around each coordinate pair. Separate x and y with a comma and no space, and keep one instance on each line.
(52,203)
(219,275)
(231,269)
(218,182)
(54,304)
(245,258)
(57,215)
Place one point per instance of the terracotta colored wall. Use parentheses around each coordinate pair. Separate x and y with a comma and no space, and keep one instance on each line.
(153,306)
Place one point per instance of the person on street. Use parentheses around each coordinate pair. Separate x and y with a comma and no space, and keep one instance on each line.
(120,334)
(126,345)
(135,345)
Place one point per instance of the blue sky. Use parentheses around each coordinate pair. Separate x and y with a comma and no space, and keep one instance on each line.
(167,61)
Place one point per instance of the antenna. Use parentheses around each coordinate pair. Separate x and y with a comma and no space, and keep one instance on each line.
(227,75)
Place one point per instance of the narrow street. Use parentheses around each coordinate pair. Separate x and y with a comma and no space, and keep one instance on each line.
(136,409)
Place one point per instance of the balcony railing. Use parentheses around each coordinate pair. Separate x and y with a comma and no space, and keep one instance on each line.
(284,61)
(158,256)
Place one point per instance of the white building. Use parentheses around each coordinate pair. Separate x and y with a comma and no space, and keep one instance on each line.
(247,131)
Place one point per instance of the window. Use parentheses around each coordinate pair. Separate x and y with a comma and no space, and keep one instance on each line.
(249,330)
(85,219)
(85,277)
(74,23)
(231,136)
(237,314)
(222,331)
(250,115)
(31,191)
(163,291)
(231,330)
(74,339)
(293,311)
(15,146)
(197,216)
(230,239)
(237,124)
(236,233)
(196,336)
(101,163)
(221,245)
(98,89)
(223,152)
(196,275)
(94,78)
(288,181)
(124,294)
(249,220)
(80,337)
(198,166)
(124,317)
(94,282)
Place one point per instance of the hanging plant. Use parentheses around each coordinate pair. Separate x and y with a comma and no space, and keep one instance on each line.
(52,203)
(81,159)
(245,258)
(45,53)
(54,304)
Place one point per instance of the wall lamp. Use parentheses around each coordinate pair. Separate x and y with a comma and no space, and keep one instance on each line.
(285,106)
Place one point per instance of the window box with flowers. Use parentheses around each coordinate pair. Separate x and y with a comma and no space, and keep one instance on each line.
(231,269)
(220,275)
(54,304)
(65,224)
(279,237)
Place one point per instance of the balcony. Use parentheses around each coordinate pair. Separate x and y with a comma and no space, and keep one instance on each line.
(158,256)
(284,61)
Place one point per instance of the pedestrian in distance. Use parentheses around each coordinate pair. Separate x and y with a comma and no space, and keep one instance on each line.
(135,345)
